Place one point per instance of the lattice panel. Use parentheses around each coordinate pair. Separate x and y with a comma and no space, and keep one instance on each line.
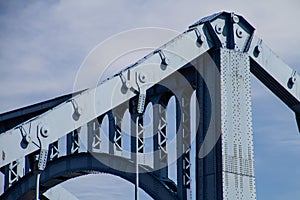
(73,144)
(94,135)
(118,131)
(54,151)
(186,140)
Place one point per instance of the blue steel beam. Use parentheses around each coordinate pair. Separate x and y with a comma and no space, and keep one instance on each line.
(80,164)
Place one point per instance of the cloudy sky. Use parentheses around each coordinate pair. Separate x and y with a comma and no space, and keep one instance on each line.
(43,44)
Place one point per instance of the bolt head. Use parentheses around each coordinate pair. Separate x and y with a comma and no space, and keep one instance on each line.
(235,19)
(127,85)
(239,33)
(44,131)
(142,77)
(218,28)
(28,138)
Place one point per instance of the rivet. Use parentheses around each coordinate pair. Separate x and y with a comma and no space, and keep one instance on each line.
(142,77)
(239,32)
(218,28)
(44,131)
(235,19)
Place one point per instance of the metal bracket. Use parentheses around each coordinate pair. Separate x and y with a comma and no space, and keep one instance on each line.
(27,138)
(162,56)
(77,110)
(200,37)
(258,49)
(141,101)
(292,80)
(140,80)
(127,82)
(42,134)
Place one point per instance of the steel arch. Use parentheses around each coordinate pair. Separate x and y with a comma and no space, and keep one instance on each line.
(76,165)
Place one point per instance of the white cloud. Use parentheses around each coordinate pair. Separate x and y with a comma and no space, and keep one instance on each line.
(54,37)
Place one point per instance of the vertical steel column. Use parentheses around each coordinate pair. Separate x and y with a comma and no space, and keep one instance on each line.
(160,136)
(111,132)
(226,171)
(183,127)
(118,114)
(73,142)
(94,134)
(237,134)
(115,129)
(208,168)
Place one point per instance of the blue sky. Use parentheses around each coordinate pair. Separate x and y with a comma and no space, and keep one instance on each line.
(44,43)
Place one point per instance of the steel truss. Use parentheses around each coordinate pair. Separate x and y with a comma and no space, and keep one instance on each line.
(216,56)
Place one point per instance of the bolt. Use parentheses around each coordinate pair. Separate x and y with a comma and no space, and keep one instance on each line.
(239,33)
(44,131)
(235,19)
(127,85)
(142,77)
(218,28)
(27,139)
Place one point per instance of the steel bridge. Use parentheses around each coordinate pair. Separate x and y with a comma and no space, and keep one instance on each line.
(203,75)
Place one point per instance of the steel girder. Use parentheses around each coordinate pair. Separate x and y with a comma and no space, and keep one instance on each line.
(225,30)
(229,39)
